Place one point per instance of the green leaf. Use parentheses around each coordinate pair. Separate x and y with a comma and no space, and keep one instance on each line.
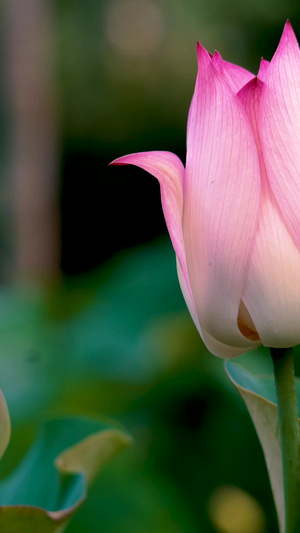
(92,453)
(51,482)
(259,395)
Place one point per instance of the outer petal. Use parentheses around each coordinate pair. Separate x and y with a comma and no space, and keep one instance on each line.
(235,76)
(272,290)
(221,202)
(169,171)
(215,347)
(280,128)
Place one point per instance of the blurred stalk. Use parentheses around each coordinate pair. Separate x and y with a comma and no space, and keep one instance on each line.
(33,166)
(283,365)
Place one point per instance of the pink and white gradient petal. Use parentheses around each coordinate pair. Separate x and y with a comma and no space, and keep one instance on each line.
(221,203)
(272,291)
(213,345)
(280,128)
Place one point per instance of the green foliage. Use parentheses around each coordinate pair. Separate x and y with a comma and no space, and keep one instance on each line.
(50,484)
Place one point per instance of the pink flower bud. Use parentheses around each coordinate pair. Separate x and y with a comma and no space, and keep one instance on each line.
(233,213)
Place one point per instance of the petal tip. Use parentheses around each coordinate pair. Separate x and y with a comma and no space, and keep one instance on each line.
(116,162)
(202,54)
(129,159)
(287,50)
(217,60)
(288,35)
(263,69)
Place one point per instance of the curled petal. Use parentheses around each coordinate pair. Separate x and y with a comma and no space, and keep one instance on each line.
(169,171)
(221,203)
(272,291)
(280,128)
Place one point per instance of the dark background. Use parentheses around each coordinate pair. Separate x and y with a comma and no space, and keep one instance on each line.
(121,97)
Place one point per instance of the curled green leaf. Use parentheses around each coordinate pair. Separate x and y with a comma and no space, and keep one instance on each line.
(92,453)
(51,482)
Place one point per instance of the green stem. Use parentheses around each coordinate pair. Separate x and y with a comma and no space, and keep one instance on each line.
(283,365)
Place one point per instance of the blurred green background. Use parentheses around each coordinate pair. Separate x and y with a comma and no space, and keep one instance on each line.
(92,318)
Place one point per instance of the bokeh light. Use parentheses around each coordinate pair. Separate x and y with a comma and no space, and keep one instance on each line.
(232,510)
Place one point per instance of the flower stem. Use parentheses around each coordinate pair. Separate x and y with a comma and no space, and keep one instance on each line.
(283,365)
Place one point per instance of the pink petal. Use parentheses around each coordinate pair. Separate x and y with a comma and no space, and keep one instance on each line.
(221,203)
(280,128)
(263,69)
(187,294)
(235,76)
(223,350)
(215,347)
(217,61)
(169,171)
(272,291)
